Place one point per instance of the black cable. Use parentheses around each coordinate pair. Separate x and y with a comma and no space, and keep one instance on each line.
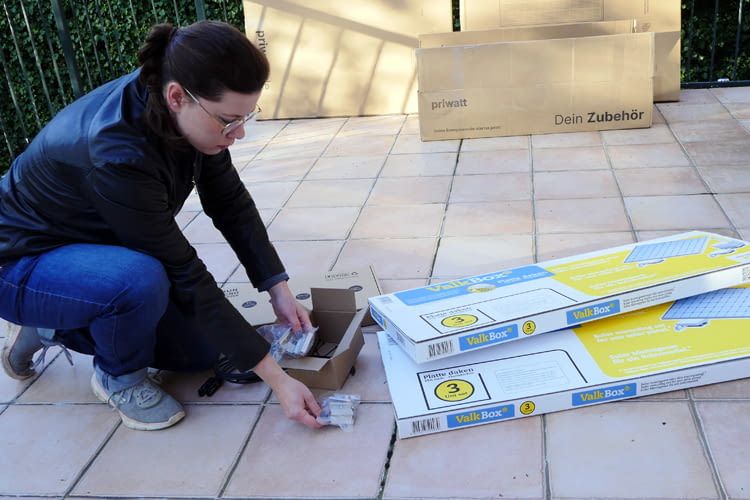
(224,371)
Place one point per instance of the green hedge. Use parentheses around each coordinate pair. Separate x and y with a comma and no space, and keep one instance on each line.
(106,35)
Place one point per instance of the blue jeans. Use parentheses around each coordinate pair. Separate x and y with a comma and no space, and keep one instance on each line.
(107,301)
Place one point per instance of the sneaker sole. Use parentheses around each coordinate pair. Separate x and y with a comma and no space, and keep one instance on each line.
(102,395)
(13,332)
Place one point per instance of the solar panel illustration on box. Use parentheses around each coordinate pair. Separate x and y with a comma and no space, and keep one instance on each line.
(654,253)
(697,311)
(726,247)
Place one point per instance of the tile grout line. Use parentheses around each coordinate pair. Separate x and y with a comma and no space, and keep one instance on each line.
(547,483)
(387,464)
(698,422)
(94,456)
(532,196)
(605,147)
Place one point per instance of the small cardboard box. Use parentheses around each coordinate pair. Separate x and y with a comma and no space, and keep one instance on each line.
(446,319)
(256,307)
(536,86)
(334,58)
(666,45)
(695,341)
(340,339)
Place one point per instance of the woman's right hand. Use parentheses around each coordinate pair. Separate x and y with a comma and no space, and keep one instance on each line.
(296,400)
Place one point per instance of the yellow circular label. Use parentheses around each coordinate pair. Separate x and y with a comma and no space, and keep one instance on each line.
(527,407)
(481,288)
(459,320)
(454,390)
(528,327)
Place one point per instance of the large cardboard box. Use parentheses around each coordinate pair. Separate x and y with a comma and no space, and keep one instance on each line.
(695,341)
(666,44)
(536,86)
(446,319)
(256,308)
(334,58)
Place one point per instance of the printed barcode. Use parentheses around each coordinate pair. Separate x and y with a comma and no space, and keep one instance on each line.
(426,425)
(440,349)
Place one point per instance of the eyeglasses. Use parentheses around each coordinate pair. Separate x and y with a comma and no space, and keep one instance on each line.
(226,127)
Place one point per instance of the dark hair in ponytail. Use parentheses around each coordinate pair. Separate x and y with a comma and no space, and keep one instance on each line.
(208,58)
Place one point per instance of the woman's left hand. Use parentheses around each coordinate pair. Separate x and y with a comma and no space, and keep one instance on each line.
(287,309)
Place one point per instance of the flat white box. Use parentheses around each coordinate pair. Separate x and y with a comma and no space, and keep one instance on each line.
(694,341)
(450,318)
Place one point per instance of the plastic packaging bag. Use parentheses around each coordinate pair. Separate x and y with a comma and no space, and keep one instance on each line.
(339,409)
(288,344)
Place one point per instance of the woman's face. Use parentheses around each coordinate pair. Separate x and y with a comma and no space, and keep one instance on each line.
(203,122)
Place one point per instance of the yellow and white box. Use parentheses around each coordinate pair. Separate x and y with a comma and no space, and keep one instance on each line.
(690,342)
(453,317)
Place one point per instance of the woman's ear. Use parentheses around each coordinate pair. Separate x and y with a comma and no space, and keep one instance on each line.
(174,96)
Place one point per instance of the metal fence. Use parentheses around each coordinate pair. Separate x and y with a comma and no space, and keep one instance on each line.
(54,51)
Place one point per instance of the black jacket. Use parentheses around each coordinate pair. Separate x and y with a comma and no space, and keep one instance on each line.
(95,175)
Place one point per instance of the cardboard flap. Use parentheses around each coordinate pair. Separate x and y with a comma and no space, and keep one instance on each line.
(333,299)
(306,363)
(346,341)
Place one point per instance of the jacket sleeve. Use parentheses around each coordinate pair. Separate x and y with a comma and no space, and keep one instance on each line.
(227,202)
(135,204)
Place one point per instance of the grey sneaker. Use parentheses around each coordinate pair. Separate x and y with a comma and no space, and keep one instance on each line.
(143,406)
(20,346)
(21,343)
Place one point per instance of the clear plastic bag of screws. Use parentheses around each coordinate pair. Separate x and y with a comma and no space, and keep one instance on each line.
(339,409)
(288,344)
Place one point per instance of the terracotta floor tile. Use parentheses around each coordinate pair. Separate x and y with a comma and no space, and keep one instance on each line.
(675,212)
(46,447)
(739,110)
(271,194)
(184,218)
(733,179)
(241,157)
(201,230)
(290,169)
(728,443)
(648,155)
(219,258)
(368,380)
(569,159)
(735,389)
(413,144)
(291,149)
(313,223)
(467,454)
(411,125)
(710,130)
(300,257)
(390,258)
(493,162)
(331,193)
(192,203)
(697,96)
(659,181)
(360,145)
(312,127)
(11,388)
(476,219)
(745,233)
(139,457)
(62,383)
(346,167)
(184,387)
(555,246)
(706,154)
(399,221)
(410,190)
(656,134)
(657,117)
(339,468)
(566,140)
(495,143)
(267,215)
(584,439)
(732,94)
(735,206)
(679,112)
(581,216)
(395,285)
(422,164)
(372,125)
(575,184)
(491,187)
(746,124)
(470,255)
